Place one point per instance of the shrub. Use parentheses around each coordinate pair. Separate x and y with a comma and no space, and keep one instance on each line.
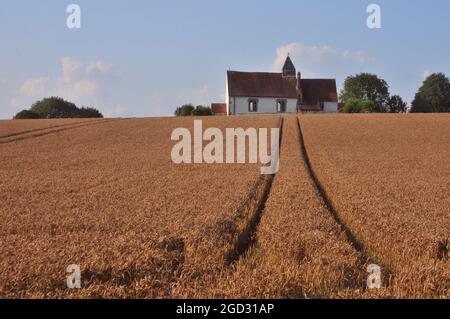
(358,106)
(26,115)
(367,106)
(395,104)
(184,110)
(89,112)
(56,107)
(366,86)
(201,111)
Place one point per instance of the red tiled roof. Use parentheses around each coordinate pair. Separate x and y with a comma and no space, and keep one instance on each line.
(264,84)
(319,90)
(261,84)
(219,108)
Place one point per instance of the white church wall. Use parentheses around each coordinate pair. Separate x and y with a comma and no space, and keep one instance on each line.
(265,105)
(330,107)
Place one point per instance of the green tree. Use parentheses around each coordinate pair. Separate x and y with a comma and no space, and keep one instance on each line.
(89,112)
(184,110)
(358,106)
(433,95)
(366,86)
(395,104)
(26,115)
(201,110)
(54,107)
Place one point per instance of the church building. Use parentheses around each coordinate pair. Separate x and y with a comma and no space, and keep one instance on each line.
(285,92)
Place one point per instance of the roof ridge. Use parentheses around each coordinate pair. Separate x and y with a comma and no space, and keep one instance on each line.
(254,72)
(331,79)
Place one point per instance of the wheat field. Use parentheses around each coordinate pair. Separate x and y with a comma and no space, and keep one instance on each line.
(352,190)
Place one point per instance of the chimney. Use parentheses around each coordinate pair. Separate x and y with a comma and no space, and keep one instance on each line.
(299,89)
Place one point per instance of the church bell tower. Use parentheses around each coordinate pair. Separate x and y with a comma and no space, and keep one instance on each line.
(289,68)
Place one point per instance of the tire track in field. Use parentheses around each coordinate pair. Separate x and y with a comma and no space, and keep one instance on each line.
(328,203)
(43,129)
(56,130)
(255,204)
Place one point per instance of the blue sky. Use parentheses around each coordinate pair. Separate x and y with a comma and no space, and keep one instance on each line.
(144,58)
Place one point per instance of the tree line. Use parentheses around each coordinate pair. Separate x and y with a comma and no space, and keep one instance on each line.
(190,110)
(367,93)
(57,108)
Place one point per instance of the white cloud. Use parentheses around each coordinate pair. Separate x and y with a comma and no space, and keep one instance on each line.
(197,96)
(301,52)
(80,89)
(73,69)
(16,102)
(425,74)
(165,103)
(82,82)
(99,67)
(359,57)
(33,87)
(310,60)
(70,67)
